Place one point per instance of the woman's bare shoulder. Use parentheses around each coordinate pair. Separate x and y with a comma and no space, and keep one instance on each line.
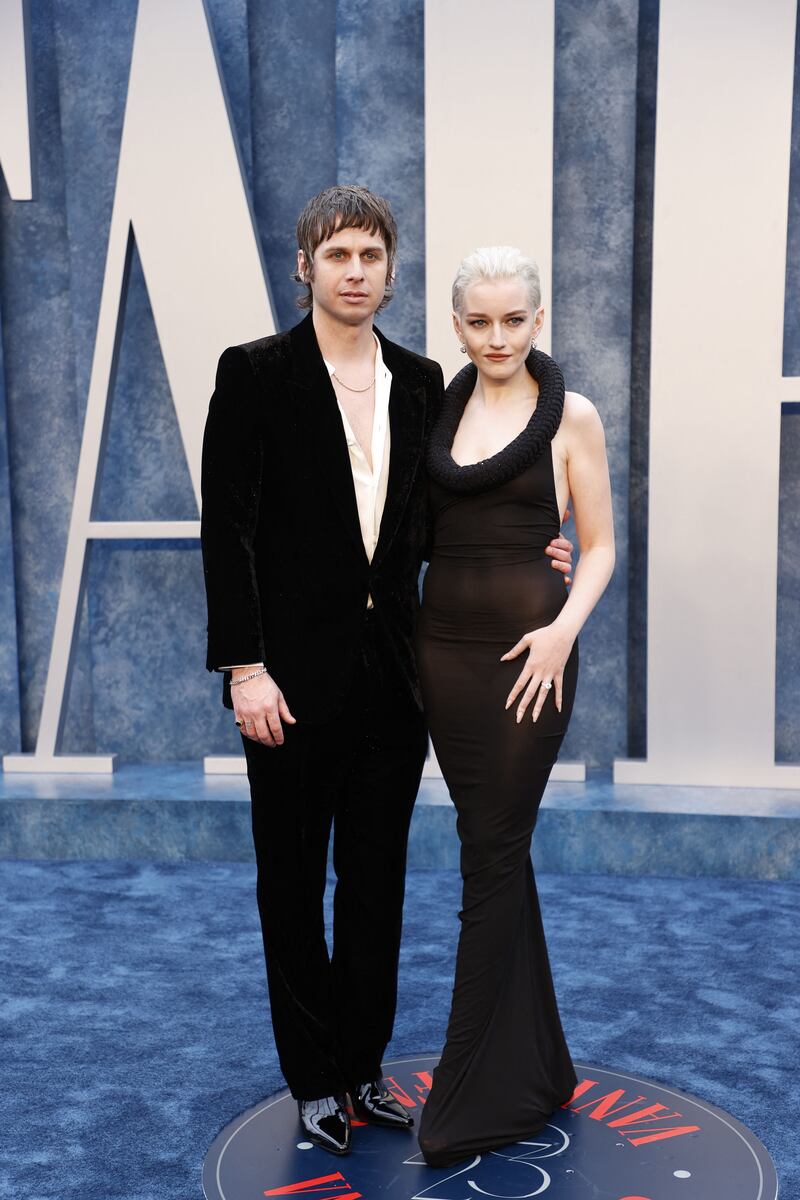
(580,422)
(578,409)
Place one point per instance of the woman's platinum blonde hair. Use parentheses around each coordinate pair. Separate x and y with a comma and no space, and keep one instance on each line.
(496,262)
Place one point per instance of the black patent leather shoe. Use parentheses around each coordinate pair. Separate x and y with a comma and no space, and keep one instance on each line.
(326,1123)
(373,1102)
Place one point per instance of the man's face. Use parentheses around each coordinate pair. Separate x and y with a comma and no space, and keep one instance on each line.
(349,275)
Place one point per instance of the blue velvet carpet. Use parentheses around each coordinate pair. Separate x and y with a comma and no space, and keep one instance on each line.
(134,1021)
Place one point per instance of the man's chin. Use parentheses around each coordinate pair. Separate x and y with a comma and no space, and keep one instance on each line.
(356,314)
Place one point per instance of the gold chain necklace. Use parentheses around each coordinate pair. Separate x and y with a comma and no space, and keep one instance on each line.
(352,389)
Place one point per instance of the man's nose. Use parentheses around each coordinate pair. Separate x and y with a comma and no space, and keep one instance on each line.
(355,268)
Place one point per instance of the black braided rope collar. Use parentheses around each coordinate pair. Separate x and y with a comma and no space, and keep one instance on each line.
(519,454)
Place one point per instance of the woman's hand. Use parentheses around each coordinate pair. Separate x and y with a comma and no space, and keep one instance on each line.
(548,650)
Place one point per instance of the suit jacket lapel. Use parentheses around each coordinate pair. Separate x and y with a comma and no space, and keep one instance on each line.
(323,424)
(407,430)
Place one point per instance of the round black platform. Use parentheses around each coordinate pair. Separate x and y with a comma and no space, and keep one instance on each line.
(620,1138)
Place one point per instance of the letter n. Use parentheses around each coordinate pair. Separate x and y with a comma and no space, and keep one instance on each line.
(323,1187)
(716,389)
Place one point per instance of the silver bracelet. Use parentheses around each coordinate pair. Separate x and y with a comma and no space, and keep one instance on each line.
(252,675)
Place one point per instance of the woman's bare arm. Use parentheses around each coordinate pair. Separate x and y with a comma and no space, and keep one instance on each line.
(590,489)
(587,475)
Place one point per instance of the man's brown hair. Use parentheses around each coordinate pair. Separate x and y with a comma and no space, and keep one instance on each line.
(346,206)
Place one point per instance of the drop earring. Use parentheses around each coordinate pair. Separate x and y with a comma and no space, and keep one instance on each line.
(463,347)
(533,343)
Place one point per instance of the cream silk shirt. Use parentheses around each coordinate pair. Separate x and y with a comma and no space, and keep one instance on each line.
(370,485)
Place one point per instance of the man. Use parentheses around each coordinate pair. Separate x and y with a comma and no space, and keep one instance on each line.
(313,529)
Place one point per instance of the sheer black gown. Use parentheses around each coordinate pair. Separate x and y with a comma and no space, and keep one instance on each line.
(505,1066)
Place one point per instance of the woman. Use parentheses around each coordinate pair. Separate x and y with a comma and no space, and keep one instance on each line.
(510,448)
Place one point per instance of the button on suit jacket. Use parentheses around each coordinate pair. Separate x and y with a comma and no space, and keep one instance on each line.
(286,574)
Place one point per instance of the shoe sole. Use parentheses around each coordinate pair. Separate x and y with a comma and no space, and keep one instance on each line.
(382,1121)
(327,1149)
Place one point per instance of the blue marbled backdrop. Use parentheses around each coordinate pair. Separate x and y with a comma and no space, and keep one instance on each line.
(593,224)
(787,723)
(9,667)
(317,92)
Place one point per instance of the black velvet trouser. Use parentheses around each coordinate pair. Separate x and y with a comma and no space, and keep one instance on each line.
(332,1016)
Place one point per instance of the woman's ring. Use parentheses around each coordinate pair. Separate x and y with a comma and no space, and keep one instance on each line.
(239,723)
(546,684)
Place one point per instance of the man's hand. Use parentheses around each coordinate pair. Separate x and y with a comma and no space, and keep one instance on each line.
(560,551)
(260,706)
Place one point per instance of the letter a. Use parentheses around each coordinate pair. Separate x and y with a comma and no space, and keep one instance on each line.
(181,194)
(15,139)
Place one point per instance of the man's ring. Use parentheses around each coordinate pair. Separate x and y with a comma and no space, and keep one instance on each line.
(546,684)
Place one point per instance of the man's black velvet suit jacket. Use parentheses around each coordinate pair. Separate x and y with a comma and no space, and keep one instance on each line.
(286,573)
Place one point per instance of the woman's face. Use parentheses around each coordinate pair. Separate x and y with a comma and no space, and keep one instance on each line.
(497,324)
